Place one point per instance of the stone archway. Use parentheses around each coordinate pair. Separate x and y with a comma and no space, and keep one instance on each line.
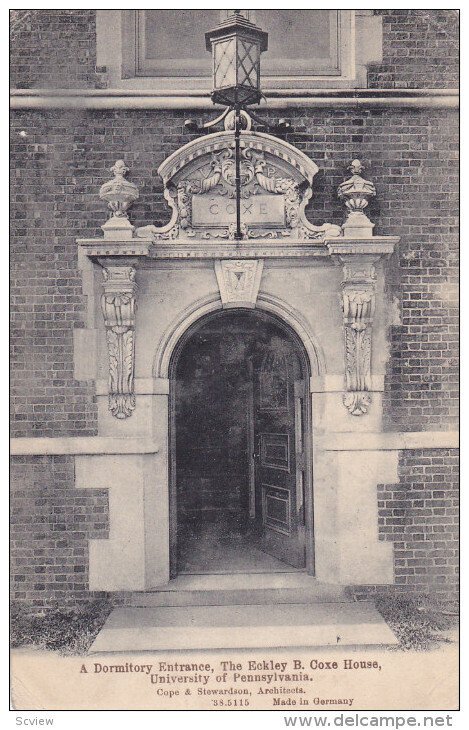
(214,473)
(212,303)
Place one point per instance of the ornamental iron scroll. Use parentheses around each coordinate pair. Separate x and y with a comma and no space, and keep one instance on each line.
(358,304)
(118,303)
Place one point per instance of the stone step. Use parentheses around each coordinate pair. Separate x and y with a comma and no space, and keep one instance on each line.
(237,597)
(242,627)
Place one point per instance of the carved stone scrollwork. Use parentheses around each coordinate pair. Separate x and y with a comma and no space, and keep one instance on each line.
(118,303)
(358,304)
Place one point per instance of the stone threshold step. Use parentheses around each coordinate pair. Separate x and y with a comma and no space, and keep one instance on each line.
(234,581)
(242,627)
(242,597)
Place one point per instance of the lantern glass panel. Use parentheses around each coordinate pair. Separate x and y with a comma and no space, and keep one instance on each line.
(248,63)
(224,67)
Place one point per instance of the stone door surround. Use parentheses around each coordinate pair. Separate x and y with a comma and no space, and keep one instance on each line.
(164,279)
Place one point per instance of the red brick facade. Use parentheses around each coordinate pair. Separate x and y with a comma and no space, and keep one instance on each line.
(51,524)
(53,49)
(420,50)
(59,160)
(420,516)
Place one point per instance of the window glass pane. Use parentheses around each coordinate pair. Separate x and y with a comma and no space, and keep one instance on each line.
(296,33)
(178,33)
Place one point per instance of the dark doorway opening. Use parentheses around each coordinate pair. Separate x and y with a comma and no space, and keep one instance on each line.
(240,480)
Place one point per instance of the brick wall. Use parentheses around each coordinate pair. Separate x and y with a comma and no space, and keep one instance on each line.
(57,49)
(51,523)
(420,50)
(53,49)
(420,516)
(46,287)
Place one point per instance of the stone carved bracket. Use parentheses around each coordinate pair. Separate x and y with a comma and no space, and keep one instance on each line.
(239,281)
(118,304)
(118,253)
(358,306)
(358,251)
(358,257)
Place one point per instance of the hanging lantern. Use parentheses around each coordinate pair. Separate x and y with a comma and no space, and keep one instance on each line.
(236,45)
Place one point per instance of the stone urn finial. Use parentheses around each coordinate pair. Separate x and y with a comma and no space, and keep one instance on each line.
(356,193)
(119,194)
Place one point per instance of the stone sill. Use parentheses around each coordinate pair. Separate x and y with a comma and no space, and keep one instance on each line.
(80,445)
(388,441)
(200,99)
(337,441)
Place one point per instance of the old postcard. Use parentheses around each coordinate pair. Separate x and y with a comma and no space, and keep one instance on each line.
(234,279)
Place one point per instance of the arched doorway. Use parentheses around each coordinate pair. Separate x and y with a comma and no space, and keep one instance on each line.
(240,467)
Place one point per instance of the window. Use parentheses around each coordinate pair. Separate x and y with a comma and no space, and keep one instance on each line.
(165,49)
(301,42)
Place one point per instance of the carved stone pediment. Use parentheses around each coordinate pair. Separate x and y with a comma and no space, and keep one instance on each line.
(276,185)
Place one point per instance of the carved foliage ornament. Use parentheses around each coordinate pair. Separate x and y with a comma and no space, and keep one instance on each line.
(118,304)
(358,304)
(257,177)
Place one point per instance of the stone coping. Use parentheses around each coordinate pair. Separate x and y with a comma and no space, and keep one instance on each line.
(200,99)
(199,248)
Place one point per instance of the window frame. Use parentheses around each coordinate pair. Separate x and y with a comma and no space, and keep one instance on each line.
(360,43)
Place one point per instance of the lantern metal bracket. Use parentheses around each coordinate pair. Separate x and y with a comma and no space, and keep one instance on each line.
(282,126)
(192,126)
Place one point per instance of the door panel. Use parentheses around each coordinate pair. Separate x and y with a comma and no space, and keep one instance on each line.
(276,509)
(275,450)
(278,434)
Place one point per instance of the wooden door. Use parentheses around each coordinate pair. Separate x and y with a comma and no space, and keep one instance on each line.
(279,452)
